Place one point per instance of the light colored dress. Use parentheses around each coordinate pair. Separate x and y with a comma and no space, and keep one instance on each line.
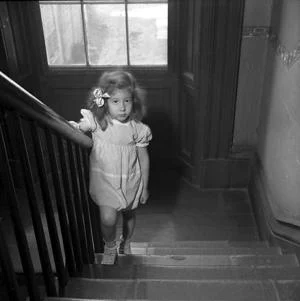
(115,172)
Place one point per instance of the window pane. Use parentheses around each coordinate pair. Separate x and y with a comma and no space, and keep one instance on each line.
(147,1)
(62,25)
(106,34)
(104,1)
(148,27)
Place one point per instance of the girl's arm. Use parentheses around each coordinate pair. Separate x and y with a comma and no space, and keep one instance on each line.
(145,164)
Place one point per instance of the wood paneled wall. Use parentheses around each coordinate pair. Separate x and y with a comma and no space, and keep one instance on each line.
(210,53)
(17,58)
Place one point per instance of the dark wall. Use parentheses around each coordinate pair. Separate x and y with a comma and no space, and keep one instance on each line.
(17,56)
(17,59)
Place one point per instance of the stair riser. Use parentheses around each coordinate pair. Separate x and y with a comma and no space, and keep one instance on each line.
(174,290)
(173,273)
(201,244)
(207,260)
(288,290)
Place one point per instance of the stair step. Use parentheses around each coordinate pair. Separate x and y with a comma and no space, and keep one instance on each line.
(229,290)
(288,290)
(205,251)
(205,260)
(201,244)
(89,299)
(183,273)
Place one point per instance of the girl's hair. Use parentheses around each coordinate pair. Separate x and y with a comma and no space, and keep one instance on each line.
(109,82)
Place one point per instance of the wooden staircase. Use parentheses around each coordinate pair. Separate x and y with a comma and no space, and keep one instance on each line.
(192,270)
(202,245)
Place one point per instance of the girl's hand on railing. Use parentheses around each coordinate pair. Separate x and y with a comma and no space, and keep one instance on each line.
(85,123)
(74,124)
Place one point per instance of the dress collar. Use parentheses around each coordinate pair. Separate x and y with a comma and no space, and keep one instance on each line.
(115,121)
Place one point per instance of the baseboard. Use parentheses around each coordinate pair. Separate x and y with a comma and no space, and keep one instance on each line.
(277,233)
(218,173)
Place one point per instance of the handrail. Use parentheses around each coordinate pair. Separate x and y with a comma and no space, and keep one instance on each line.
(16,97)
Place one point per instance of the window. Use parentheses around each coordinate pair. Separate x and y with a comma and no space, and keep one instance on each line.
(105,33)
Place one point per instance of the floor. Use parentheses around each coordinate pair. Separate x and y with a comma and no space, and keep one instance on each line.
(178,211)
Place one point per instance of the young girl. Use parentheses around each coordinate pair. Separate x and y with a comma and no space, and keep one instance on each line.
(119,160)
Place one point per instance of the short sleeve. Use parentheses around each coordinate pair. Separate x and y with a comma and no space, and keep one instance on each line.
(88,120)
(144,135)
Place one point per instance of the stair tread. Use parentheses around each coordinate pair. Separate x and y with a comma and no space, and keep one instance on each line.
(129,299)
(227,250)
(178,289)
(200,272)
(206,260)
(126,299)
(200,244)
(89,299)
(106,299)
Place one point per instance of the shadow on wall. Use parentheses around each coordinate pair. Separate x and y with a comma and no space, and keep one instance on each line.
(164,170)
(162,148)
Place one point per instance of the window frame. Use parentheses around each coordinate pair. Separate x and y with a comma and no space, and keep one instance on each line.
(172,59)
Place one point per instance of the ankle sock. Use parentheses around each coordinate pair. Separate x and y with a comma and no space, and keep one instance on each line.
(110,253)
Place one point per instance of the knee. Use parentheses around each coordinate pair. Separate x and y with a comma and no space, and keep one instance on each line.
(108,217)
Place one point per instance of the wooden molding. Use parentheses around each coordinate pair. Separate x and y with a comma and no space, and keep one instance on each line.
(217,173)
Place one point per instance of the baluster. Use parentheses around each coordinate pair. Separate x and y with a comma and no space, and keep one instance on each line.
(11,148)
(17,223)
(78,201)
(86,155)
(94,211)
(8,272)
(67,180)
(34,209)
(85,203)
(61,204)
(47,197)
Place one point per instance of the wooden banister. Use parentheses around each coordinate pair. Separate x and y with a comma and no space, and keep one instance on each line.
(51,156)
(16,97)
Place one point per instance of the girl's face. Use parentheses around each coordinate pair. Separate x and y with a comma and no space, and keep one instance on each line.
(120,105)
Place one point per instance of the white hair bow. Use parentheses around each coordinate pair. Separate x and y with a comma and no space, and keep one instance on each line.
(99,97)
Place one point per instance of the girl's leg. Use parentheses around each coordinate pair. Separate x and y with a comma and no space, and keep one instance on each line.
(109,218)
(129,220)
